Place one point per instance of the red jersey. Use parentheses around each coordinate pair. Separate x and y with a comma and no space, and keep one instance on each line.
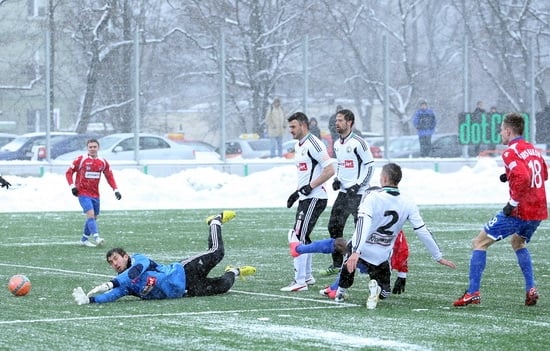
(88,174)
(400,254)
(526,171)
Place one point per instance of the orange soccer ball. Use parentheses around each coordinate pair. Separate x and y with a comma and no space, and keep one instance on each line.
(19,285)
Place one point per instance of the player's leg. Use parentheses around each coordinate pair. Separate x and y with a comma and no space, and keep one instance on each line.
(198,267)
(519,244)
(499,227)
(90,225)
(336,224)
(307,214)
(95,234)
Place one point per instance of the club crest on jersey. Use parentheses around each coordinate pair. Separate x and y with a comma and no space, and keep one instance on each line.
(349,149)
(151,281)
(302,166)
(348,163)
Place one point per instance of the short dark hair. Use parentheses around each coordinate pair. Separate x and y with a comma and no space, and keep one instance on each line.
(92,141)
(348,115)
(515,121)
(393,171)
(117,250)
(300,117)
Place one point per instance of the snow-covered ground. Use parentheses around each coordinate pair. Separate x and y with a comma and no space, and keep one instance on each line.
(209,188)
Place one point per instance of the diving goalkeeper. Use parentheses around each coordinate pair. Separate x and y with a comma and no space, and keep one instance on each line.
(140,276)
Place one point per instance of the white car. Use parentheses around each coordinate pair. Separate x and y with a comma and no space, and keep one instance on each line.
(121,146)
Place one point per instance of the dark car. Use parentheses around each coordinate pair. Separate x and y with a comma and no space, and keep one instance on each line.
(6,138)
(248,148)
(63,145)
(21,148)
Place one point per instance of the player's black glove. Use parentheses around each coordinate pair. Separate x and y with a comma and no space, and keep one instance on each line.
(503,178)
(4,183)
(399,286)
(352,190)
(507,210)
(336,184)
(292,199)
(74,191)
(305,190)
(117,195)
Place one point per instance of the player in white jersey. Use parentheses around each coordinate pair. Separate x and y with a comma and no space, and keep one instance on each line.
(314,167)
(381,216)
(353,174)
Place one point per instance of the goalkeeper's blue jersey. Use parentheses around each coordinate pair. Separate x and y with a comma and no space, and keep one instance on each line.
(147,280)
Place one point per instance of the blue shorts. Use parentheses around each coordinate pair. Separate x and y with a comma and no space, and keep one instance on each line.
(89,203)
(501,226)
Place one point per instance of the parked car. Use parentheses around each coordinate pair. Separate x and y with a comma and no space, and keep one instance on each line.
(248,148)
(444,145)
(447,145)
(61,146)
(203,150)
(6,138)
(21,148)
(121,147)
(288,148)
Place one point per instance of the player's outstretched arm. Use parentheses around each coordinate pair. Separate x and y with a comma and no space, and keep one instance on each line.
(447,263)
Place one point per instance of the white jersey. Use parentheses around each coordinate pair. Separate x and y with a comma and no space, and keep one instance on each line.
(381,216)
(311,157)
(355,162)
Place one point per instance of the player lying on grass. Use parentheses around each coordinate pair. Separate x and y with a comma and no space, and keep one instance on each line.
(140,276)
(399,261)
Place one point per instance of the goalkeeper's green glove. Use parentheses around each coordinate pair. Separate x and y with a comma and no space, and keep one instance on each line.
(101,289)
(80,297)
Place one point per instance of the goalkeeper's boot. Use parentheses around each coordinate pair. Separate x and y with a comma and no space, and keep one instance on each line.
(374,294)
(331,270)
(243,271)
(531,297)
(293,243)
(468,299)
(223,217)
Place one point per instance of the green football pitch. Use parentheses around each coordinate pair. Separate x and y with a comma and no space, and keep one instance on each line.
(255,315)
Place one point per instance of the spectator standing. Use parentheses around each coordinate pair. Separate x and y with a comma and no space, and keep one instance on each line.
(353,174)
(526,172)
(88,169)
(477,116)
(314,167)
(332,126)
(543,126)
(314,127)
(276,125)
(424,122)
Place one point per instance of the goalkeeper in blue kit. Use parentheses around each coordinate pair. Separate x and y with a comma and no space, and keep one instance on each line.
(140,276)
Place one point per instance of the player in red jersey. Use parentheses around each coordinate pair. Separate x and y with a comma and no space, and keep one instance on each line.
(526,172)
(88,169)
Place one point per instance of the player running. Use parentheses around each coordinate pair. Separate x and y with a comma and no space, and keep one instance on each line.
(526,172)
(88,170)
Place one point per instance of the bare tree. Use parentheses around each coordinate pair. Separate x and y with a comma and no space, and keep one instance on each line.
(503,33)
